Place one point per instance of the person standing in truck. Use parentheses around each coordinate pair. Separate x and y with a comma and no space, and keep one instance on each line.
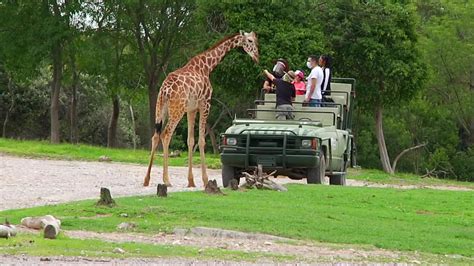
(285,94)
(314,80)
(279,69)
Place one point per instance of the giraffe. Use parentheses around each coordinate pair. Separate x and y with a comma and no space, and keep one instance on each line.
(188,90)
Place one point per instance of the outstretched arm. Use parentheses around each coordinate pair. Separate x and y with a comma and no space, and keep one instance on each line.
(269,75)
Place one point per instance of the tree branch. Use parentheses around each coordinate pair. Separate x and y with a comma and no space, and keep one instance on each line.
(394,164)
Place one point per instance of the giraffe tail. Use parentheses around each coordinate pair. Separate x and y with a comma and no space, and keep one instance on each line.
(161,112)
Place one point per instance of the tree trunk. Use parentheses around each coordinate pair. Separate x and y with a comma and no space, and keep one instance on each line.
(212,136)
(73,108)
(10,109)
(112,129)
(134,128)
(384,158)
(55,90)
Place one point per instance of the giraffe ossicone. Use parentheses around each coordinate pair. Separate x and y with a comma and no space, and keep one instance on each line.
(188,90)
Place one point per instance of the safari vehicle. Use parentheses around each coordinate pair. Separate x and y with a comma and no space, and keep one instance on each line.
(318,142)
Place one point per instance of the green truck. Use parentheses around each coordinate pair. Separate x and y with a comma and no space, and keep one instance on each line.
(318,142)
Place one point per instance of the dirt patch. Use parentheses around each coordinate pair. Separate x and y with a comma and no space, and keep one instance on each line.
(304,251)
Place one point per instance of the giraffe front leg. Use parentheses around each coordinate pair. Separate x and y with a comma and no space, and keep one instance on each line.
(202,145)
(191,120)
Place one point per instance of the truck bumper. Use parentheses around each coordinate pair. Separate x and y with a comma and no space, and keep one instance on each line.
(271,161)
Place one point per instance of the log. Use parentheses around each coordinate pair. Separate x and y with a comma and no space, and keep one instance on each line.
(105,198)
(51,230)
(50,225)
(162,190)
(212,188)
(7,230)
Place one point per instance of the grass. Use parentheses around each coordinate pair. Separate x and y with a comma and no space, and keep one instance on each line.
(425,220)
(44,149)
(35,245)
(377,176)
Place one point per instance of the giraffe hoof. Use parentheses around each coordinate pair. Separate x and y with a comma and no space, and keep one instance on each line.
(191,185)
(146,183)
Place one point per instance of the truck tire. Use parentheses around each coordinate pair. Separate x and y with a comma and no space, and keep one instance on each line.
(337,180)
(228,173)
(315,175)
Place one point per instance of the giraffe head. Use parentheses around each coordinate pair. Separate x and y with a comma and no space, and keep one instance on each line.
(250,44)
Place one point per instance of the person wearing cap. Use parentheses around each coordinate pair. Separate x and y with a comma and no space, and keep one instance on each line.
(300,85)
(285,94)
(279,69)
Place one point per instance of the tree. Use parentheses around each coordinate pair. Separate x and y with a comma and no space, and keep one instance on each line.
(160,29)
(34,31)
(377,43)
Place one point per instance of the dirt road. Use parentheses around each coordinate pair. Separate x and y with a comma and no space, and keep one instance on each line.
(28,182)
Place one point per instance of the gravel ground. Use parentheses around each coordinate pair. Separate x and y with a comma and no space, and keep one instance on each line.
(43,181)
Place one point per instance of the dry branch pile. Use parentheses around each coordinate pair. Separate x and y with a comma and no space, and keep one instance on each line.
(261,180)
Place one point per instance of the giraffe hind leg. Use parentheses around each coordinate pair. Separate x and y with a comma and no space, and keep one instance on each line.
(155,140)
(191,120)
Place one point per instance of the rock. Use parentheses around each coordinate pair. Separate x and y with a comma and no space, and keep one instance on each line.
(186,238)
(126,226)
(104,158)
(45,259)
(415,262)
(267,243)
(118,251)
(176,242)
(180,231)
(123,215)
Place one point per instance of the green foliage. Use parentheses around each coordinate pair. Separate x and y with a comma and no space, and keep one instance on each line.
(289,31)
(419,219)
(376,42)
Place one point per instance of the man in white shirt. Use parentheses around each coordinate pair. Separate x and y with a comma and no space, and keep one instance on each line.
(313,88)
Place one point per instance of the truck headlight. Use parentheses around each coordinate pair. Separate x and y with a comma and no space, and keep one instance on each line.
(231,141)
(306,143)
(309,144)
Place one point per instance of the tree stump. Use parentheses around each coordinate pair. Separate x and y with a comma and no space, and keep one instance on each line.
(162,190)
(234,184)
(212,188)
(105,198)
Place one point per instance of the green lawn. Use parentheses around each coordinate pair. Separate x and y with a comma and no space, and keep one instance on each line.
(35,245)
(92,153)
(425,220)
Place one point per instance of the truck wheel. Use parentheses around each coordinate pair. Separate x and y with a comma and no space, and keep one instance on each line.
(228,173)
(315,175)
(337,180)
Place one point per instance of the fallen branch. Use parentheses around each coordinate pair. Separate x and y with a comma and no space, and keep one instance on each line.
(261,181)
(394,164)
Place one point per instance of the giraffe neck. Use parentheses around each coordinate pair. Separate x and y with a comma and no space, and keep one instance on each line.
(208,60)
